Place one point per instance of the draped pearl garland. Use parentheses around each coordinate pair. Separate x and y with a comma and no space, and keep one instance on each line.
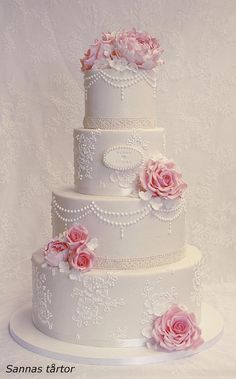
(122,220)
(119,82)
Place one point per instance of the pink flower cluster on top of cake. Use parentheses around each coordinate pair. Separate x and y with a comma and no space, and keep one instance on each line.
(176,329)
(123,50)
(73,247)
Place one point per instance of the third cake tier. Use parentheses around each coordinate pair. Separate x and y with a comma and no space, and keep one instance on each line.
(131,234)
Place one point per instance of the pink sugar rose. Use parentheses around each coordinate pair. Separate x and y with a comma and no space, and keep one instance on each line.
(108,38)
(91,55)
(56,252)
(76,236)
(81,259)
(139,48)
(98,52)
(162,179)
(177,330)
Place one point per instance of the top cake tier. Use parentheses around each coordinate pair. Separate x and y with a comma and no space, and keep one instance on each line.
(120,80)
(120,100)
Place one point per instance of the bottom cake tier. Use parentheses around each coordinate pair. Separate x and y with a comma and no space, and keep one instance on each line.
(111,308)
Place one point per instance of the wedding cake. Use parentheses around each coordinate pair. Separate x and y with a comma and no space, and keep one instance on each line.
(118,271)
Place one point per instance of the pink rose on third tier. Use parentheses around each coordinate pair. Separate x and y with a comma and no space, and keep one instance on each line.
(177,330)
(81,259)
(162,179)
(76,236)
(56,252)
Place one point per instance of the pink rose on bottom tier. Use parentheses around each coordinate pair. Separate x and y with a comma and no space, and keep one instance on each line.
(56,252)
(81,259)
(176,330)
(76,236)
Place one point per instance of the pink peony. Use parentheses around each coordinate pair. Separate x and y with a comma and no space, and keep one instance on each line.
(138,48)
(162,179)
(177,330)
(56,252)
(81,259)
(76,236)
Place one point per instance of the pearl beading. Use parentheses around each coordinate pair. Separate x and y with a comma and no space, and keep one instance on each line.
(119,123)
(137,262)
(42,299)
(122,220)
(119,82)
(169,215)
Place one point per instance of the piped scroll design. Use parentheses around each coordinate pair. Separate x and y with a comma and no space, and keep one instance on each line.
(196,294)
(156,300)
(93,299)
(84,151)
(42,298)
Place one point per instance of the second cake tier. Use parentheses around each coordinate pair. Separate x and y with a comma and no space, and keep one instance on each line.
(130,233)
(108,162)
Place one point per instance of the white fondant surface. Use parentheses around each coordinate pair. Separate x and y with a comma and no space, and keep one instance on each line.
(104,96)
(96,176)
(124,226)
(24,333)
(110,308)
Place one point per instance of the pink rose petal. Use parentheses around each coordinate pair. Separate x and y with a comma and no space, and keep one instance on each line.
(162,179)
(176,330)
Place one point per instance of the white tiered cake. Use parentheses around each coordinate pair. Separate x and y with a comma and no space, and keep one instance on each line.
(128,197)
(118,284)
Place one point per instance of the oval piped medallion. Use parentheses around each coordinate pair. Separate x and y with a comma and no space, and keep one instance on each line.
(122,157)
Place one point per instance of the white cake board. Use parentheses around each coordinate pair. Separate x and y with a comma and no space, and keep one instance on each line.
(24,332)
